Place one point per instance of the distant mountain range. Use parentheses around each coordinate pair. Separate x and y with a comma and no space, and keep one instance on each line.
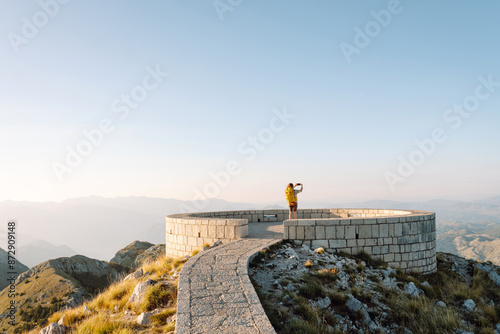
(93,226)
(446,211)
(96,226)
(479,241)
(38,251)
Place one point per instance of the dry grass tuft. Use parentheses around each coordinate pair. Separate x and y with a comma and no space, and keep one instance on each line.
(196,251)
(73,316)
(102,324)
(115,295)
(327,275)
(157,296)
(421,314)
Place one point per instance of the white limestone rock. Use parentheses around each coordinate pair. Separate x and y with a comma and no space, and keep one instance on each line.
(343,280)
(323,303)
(411,289)
(144,319)
(62,321)
(441,304)
(492,274)
(53,328)
(390,283)
(469,305)
(292,260)
(353,304)
(139,291)
(136,274)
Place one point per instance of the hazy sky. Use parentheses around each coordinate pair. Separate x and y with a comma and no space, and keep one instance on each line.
(357,100)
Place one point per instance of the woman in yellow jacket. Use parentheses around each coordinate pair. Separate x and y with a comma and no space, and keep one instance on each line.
(291,197)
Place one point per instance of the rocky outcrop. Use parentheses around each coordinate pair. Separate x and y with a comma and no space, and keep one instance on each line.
(149,255)
(490,269)
(140,290)
(53,328)
(144,318)
(128,255)
(360,294)
(136,274)
(88,275)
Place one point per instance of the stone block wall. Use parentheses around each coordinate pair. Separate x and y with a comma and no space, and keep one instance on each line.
(185,233)
(403,239)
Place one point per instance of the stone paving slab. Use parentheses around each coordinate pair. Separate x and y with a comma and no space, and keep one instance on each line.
(271,230)
(215,294)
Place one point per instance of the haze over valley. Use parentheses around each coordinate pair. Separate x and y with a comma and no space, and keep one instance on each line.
(96,227)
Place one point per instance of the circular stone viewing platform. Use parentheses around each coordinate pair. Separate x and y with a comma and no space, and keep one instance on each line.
(404,239)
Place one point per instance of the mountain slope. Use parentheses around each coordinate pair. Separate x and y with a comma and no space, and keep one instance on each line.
(53,284)
(138,253)
(306,291)
(120,307)
(4,269)
(480,242)
(126,256)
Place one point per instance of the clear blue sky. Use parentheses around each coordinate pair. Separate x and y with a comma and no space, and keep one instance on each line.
(67,68)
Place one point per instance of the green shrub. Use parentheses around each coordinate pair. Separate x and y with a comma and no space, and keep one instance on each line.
(305,311)
(326,275)
(158,295)
(163,316)
(369,260)
(301,326)
(421,315)
(311,288)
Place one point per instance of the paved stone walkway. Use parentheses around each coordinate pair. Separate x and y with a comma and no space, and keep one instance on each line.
(215,294)
(272,230)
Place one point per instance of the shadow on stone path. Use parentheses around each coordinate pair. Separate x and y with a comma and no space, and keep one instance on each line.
(215,294)
(272,230)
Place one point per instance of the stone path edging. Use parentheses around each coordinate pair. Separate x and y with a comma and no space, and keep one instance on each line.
(215,294)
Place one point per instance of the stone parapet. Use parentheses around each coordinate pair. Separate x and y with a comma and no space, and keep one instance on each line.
(404,239)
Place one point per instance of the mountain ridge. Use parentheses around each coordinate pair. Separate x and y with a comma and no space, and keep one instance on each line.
(56,283)
(4,269)
(94,219)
